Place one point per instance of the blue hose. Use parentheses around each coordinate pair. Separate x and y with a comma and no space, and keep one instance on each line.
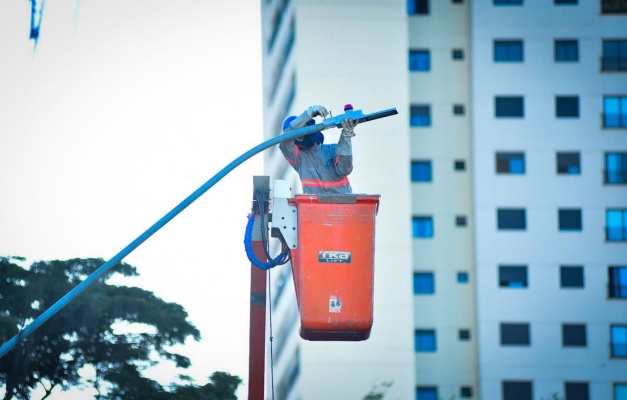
(249,248)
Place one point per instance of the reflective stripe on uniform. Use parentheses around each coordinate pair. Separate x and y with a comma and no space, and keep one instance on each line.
(318,183)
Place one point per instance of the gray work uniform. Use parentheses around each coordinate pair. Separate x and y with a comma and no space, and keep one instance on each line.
(322,169)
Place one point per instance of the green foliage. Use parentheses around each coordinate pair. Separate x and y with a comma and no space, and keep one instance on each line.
(378,391)
(83,334)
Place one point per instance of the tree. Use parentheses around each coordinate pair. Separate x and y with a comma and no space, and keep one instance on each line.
(84,333)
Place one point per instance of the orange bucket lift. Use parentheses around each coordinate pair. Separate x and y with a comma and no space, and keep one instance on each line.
(332,263)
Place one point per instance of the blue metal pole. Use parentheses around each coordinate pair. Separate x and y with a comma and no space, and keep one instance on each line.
(106,267)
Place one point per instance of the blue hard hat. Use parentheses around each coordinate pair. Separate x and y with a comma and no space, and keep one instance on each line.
(288,120)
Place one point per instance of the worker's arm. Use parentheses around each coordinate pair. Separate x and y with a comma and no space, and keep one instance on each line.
(344,149)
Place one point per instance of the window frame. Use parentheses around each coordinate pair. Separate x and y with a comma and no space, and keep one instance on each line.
(616,233)
(615,172)
(617,282)
(617,120)
(508,51)
(620,346)
(566,50)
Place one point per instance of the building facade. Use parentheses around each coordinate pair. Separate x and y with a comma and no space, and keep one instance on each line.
(501,254)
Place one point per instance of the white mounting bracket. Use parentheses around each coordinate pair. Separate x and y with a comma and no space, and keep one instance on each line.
(284,216)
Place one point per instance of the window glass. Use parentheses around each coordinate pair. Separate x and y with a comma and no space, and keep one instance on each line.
(420,115)
(517,390)
(458,109)
(616,225)
(423,283)
(568,163)
(465,392)
(569,219)
(577,390)
(618,282)
(460,165)
(619,341)
(565,2)
(567,106)
(457,54)
(614,55)
(566,50)
(515,334)
(509,106)
(510,163)
(574,335)
(462,277)
(421,171)
(571,277)
(419,60)
(616,168)
(425,340)
(508,51)
(460,220)
(422,227)
(511,219)
(508,2)
(464,334)
(615,111)
(426,393)
(417,7)
(620,391)
(513,276)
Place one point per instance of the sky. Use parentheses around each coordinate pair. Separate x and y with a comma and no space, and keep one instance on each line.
(120,111)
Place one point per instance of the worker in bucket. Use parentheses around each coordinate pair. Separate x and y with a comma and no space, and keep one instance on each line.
(323,168)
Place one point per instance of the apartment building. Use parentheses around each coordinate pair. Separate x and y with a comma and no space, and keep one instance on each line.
(501,255)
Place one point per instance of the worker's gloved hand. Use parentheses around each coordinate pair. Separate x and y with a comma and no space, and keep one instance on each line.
(348,125)
(317,111)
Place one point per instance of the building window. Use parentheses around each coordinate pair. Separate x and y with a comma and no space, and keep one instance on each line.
(515,334)
(566,50)
(615,168)
(565,2)
(510,163)
(576,390)
(465,392)
(568,163)
(460,220)
(618,282)
(422,227)
(569,219)
(426,393)
(508,2)
(419,60)
(517,390)
(420,115)
(417,7)
(458,109)
(421,171)
(571,276)
(513,276)
(509,107)
(462,277)
(613,7)
(464,334)
(567,106)
(616,225)
(620,391)
(511,219)
(574,335)
(618,341)
(458,1)
(424,341)
(457,54)
(508,51)
(424,283)
(460,165)
(615,112)
(614,55)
